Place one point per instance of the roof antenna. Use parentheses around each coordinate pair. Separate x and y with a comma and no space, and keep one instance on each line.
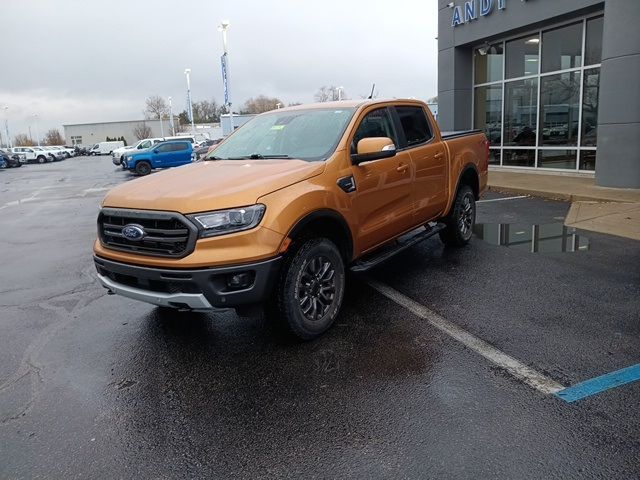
(372,89)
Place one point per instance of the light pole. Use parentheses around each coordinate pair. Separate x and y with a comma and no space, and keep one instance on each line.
(223,27)
(187,72)
(340,89)
(35,117)
(161,129)
(6,125)
(173,130)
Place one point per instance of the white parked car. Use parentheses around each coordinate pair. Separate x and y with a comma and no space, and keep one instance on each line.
(34,154)
(68,152)
(118,153)
(58,154)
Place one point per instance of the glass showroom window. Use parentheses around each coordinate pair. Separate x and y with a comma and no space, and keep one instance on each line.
(536,96)
(560,109)
(590,107)
(522,56)
(520,112)
(488,64)
(488,112)
(562,48)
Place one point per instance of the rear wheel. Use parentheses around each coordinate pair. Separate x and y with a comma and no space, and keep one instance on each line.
(461,220)
(311,287)
(143,168)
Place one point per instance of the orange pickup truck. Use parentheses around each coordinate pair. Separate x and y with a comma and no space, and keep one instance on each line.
(279,210)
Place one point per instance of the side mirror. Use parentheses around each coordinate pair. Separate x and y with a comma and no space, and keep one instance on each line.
(373,148)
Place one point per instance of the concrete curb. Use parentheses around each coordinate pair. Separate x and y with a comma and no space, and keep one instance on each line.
(565,197)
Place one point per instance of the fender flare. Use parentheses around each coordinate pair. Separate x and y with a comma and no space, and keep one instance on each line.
(325,213)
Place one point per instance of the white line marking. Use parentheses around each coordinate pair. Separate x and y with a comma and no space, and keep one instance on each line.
(519,370)
(501,199)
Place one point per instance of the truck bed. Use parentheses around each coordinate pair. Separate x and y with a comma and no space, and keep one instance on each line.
(459,133)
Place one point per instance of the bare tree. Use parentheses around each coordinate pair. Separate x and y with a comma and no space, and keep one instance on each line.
(22,140)
(329,94)
(142,131)
(433,99)
(260,104)
(54,137)
(155,107)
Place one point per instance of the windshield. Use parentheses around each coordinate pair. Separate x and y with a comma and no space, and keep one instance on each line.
(303,134)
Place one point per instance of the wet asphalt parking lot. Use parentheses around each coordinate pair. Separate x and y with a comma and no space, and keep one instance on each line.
(98,386)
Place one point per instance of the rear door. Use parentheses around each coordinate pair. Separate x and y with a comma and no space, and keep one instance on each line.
(429,158)
(383,187)
(180,154)
(162,155)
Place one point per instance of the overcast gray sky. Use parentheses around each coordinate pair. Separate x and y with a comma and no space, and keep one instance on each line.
(75,61)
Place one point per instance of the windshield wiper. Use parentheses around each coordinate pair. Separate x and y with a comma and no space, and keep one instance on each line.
(213,158)
(257,156)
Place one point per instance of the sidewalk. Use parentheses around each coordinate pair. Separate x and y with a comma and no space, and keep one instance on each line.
(615,211)
(559,187)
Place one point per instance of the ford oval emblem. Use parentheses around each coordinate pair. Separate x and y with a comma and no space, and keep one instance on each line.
(133,232)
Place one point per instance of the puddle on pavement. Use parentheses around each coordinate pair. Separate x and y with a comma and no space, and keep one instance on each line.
(543,238)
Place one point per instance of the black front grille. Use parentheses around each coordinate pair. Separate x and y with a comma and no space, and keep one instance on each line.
(167,234)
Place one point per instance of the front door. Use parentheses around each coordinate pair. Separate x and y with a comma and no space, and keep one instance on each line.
(383,187)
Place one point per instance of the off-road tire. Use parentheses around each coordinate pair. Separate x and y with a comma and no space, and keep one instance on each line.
(297,287)
(143,168)
(461,219)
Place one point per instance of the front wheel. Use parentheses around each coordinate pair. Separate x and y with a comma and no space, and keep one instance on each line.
(461,220)
(311,287)
(143,168)
(42,159)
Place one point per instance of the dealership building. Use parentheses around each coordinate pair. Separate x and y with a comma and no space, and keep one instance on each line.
(554,84)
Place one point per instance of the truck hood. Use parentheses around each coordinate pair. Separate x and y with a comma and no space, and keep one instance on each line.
(211,185)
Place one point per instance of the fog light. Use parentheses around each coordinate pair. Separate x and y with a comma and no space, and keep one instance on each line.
(240,280)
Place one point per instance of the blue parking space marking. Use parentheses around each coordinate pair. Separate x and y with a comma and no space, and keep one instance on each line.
(600,384)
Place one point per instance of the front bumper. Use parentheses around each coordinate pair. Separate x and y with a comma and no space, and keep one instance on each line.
(200,289)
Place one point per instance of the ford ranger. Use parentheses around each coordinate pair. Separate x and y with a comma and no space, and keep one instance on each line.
(277,212)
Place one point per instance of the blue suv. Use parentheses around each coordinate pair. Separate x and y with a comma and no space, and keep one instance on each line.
(162,155)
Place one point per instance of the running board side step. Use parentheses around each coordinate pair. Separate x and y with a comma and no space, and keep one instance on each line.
(406,241)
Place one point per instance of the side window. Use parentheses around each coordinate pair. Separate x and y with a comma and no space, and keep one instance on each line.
(375,124)
(165,148)
(146,144)
(179,147)
(414,124)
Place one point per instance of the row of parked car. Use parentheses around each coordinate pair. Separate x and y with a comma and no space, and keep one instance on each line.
(152,153)
(40,154)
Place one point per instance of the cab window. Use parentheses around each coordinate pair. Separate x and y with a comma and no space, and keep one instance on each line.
(167,147)
(146,144)
(178,147)
(377,123)
(414,125)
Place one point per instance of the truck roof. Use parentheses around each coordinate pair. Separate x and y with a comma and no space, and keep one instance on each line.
(350,103)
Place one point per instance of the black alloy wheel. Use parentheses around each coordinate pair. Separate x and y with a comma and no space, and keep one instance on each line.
(143,168)
(310,289)
(460,221)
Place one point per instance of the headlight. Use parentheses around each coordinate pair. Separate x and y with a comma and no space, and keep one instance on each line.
(222,222)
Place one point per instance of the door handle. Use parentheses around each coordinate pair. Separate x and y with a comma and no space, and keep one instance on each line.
(438,155)
(402,168)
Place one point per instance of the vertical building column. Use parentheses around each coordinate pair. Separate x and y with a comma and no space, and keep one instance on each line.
(454,76)
(618,157)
